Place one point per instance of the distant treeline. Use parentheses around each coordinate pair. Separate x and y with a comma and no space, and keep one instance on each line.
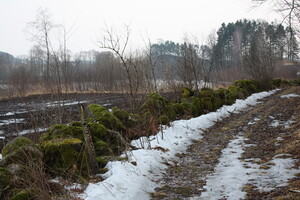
(236,50)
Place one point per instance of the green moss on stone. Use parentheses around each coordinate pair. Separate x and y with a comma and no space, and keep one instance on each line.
(186,92)
(102,148)
(249,86)
(102,161)
(76,124)
(20,151)
(276,82)
(235,92)
(164,120)
(178,109)
(189,109)
(5,179)
(96,109)
(15,145)
(62,155)
(22,195)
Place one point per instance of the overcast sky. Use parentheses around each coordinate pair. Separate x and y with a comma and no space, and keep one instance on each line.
(159,19)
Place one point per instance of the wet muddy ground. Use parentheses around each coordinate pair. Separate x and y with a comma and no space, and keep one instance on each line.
(269,130)
(33,115)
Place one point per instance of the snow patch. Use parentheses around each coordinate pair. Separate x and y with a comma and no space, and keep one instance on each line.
(286,124)
(279,172)
(231,176)
(127,181)
(289,96)
(253,121)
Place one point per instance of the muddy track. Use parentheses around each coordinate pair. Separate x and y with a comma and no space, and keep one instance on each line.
(31,116)
(271,128)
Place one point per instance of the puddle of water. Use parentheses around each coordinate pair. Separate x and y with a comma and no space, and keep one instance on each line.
(24,132)
(12,121)
(64,103)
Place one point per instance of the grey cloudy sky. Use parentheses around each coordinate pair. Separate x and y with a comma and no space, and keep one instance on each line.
(159,19)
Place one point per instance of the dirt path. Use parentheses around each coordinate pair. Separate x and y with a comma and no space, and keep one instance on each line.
(269,129)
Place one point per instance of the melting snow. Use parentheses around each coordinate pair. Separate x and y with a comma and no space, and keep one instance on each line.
(231,176)
(127,181)
(289,96)
(286,124)
(253,121)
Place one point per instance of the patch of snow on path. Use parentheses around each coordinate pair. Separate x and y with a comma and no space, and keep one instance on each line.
(281,170)
(127,181)
(229,177)
(289,96)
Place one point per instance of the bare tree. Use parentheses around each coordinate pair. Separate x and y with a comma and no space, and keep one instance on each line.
(40,30)
(117,42)
(151,62)
(290,10)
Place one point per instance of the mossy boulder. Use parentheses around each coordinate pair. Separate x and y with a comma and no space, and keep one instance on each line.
(128,119)
(76,123)
(235,92)
(295,82)
(97,130)
(106,142)
(15,145)
(209,99)
(207,104)
(276,82)
(249,86)
(206,92)
(155,104)
(186,92)
(177,108)
(103,116)
(196,102)
(170,112)
(63,131)
(5,180)
(164,120)
(22,195)
(63,156)
(189,109)
(102,148)
(96,109)
(224,97)
(20,151)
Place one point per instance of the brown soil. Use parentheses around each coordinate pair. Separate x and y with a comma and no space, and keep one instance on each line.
(187,175)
